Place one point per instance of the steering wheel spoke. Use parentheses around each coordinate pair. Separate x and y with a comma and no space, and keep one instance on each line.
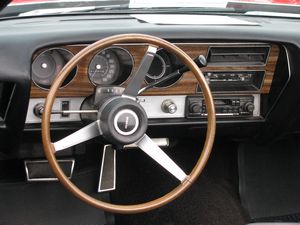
(135,84)
(155,152)
(84,134)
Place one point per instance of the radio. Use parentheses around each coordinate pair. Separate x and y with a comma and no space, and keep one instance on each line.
(225,106)
(234,80)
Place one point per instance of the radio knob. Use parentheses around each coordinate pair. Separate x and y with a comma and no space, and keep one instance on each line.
(168,106)
(195,107)
(249,107)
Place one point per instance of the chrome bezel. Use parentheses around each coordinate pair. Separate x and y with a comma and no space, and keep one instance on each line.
(50,49)
(163,71)
(45,161)
(112,47)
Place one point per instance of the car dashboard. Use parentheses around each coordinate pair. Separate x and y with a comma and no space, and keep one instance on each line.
(249,70)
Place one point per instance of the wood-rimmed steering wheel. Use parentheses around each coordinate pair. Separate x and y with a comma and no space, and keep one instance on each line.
(121,120)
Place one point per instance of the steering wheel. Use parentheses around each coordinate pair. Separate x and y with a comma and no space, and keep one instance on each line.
(112,126)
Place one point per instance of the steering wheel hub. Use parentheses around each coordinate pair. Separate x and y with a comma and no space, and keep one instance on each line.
(126,122)
(123,120)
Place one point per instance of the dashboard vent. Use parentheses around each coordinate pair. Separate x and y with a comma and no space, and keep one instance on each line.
(238,55)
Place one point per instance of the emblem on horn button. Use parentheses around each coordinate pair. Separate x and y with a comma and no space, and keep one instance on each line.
(126,122)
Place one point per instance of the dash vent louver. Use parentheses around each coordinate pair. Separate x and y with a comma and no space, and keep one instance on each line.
(238,55)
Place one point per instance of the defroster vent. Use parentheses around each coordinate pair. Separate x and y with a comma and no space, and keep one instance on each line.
(238,55)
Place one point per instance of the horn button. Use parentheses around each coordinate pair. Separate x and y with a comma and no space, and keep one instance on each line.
(126,122)
(122,120)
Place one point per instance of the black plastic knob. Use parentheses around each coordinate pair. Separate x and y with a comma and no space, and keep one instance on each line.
(249,107)
(195,107)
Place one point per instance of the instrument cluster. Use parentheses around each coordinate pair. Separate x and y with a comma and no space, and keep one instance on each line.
(111,66)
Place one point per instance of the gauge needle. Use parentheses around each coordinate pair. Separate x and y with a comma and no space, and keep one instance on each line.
(98,67)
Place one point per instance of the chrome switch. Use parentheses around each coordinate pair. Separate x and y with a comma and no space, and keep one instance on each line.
(168,106)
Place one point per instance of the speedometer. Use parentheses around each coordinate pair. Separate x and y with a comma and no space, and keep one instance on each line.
(104,68)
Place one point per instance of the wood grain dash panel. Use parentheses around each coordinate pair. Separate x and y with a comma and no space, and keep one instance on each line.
(270,69)
(186,85)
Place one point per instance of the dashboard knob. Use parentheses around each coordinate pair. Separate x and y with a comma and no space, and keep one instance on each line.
(38,110)
(195,107)
(168,106)
(249,107)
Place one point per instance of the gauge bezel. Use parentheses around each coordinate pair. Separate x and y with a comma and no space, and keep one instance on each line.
(122,81)
(51,49)
(170,85)
(163,71)
(100,54)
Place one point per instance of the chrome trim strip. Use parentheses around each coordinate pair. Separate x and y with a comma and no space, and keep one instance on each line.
(161,142)
(101,171)
(242,45)
(75,112)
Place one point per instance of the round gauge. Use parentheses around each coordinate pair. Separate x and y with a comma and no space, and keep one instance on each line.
(48,64)
(162,65)
(104,68)
(157,69)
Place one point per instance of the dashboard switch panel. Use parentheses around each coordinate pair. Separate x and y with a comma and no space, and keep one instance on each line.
(36,108)
(225,106)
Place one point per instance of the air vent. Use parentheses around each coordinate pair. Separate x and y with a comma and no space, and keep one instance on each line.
(239,55)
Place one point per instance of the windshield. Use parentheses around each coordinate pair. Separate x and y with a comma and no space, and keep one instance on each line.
(22,8)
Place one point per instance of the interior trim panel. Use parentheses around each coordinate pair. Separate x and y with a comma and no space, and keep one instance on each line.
(184,86)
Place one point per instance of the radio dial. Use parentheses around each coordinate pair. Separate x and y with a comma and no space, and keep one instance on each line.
(249,107)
